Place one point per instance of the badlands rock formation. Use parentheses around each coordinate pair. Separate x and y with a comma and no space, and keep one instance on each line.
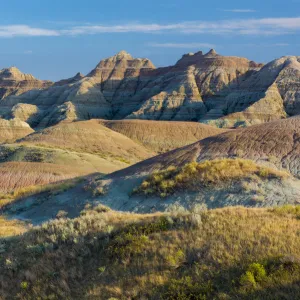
(14,82)
(199,87)
(272,93)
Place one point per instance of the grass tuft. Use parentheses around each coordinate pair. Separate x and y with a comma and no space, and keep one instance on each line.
(194,175)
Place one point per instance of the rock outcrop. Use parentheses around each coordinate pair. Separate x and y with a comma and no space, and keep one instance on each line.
(11,130)
(201,87)
(14,82)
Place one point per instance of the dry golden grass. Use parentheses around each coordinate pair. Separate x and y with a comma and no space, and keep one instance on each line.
(27,191)
(11,227)
(205,173)
(190,255)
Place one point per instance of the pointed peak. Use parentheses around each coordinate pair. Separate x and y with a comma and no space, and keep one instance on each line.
(79,75)
(212,52)
(11,70)
(14,72)
(123,55)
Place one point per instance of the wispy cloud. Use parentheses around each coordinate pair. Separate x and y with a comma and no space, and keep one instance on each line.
(236,10)
(184,45)
(28,52)
(264,26)
(24,30)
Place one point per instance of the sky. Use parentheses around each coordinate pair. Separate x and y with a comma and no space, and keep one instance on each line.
(55,39)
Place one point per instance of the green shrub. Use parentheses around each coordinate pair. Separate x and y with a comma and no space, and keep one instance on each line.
(248,279)
(255,273)
(133,239)
(24,285)
(186,289)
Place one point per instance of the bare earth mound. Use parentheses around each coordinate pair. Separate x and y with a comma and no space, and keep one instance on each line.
(276,143)
(162,136)
(22,166)
(89,137)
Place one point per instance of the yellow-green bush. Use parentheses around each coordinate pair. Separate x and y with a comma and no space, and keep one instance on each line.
(196,175)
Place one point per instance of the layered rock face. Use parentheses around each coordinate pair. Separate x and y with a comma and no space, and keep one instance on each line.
(97,95)
(14,82)
(269,94)
(11,130)
(199,87)
(194,88)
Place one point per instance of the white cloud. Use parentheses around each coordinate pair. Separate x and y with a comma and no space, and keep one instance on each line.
(184,45)
(240,10)
(28,52)
(264,26)
(24,30)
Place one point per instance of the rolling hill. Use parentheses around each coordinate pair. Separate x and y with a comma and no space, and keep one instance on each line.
(256,166)
(162,136)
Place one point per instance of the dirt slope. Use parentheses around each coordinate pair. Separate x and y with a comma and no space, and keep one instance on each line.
(162,136)
(89,137)
(276,143)
(22,166)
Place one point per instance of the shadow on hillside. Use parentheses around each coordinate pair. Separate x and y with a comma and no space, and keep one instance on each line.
(45,202)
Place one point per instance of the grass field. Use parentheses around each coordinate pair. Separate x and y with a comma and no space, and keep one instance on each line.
(231,253)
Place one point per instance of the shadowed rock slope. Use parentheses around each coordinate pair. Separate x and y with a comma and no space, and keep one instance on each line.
(269,94)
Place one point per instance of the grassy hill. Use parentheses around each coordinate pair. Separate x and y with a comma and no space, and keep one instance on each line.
(231,253)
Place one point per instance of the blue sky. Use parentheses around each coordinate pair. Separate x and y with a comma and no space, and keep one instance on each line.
(54,39)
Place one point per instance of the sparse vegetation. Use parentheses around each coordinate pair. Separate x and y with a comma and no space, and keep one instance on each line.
(232,253)
(54,188)
(11,228)
(196,175)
